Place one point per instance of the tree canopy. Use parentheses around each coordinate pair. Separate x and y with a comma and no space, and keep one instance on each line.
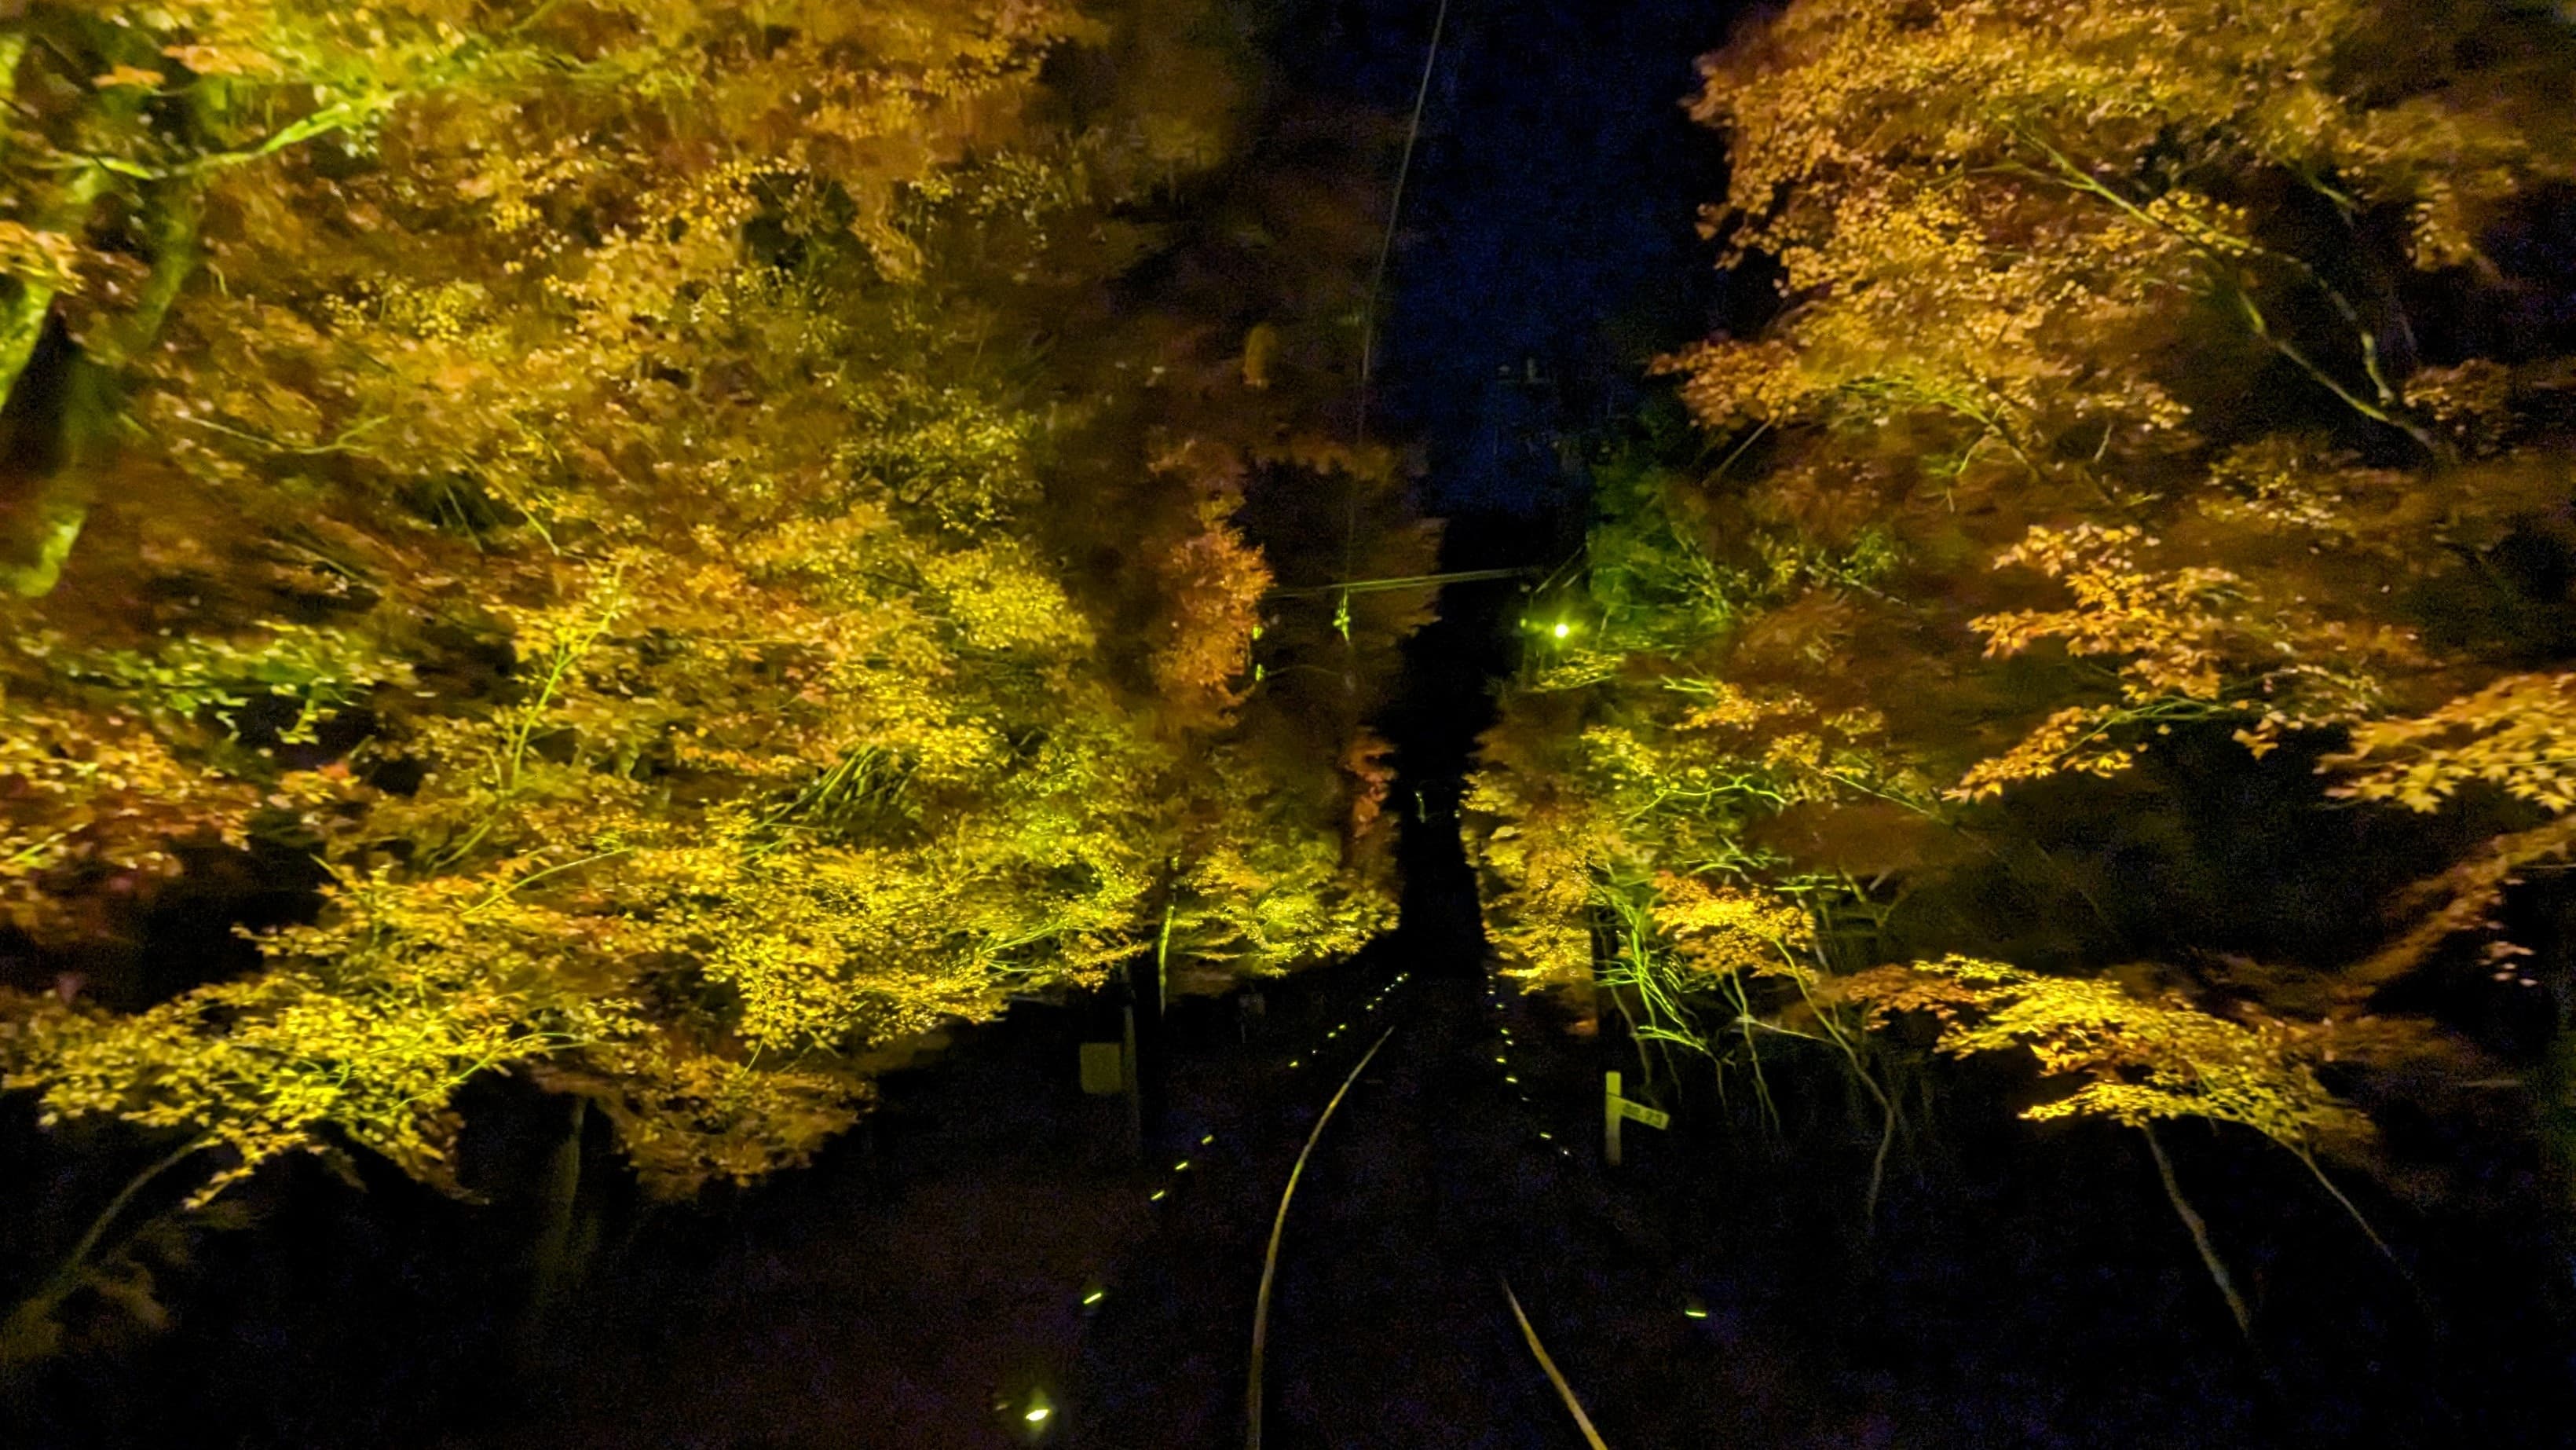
(2114,602)
(644,545)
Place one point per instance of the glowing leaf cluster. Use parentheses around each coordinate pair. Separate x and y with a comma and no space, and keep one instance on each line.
(2129,1059)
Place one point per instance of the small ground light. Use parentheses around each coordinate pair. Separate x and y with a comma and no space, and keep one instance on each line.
(1562,630)
(1207,1139)
(1158,1195)
(1692,1308)
(1181,1167)
(1094,1297)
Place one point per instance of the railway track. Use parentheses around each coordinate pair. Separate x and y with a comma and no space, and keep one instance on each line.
(1420,1247)
(1403,1198)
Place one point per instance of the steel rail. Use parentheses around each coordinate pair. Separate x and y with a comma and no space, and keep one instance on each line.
(1270,1260)
(1555,1377)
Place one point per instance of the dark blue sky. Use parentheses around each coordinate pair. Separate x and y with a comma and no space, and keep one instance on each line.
(1548,230)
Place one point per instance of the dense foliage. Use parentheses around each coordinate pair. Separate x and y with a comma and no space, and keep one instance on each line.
(646,545)
(2117,606)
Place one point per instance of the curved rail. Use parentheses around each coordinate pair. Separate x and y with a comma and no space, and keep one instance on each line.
(1555,1376)
(1270,1260)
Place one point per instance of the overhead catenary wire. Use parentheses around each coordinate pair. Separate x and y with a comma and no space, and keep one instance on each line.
(1402,581)
(1394,216)
(1377,285)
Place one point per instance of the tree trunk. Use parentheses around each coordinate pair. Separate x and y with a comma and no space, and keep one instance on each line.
(2200,1237)
(557,1255)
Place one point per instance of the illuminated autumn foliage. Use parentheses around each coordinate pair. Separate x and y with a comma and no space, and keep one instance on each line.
(584,486)
(2113,497)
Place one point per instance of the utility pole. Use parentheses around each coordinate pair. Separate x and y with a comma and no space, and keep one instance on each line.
(1610,1119)
(1135,1079)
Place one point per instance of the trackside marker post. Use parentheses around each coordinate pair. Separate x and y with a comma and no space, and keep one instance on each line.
(1615,1108)
(1651,1117)
(1104,1068)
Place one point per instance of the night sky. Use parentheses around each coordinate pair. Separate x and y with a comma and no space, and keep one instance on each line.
(1548,251)
(1547,247)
